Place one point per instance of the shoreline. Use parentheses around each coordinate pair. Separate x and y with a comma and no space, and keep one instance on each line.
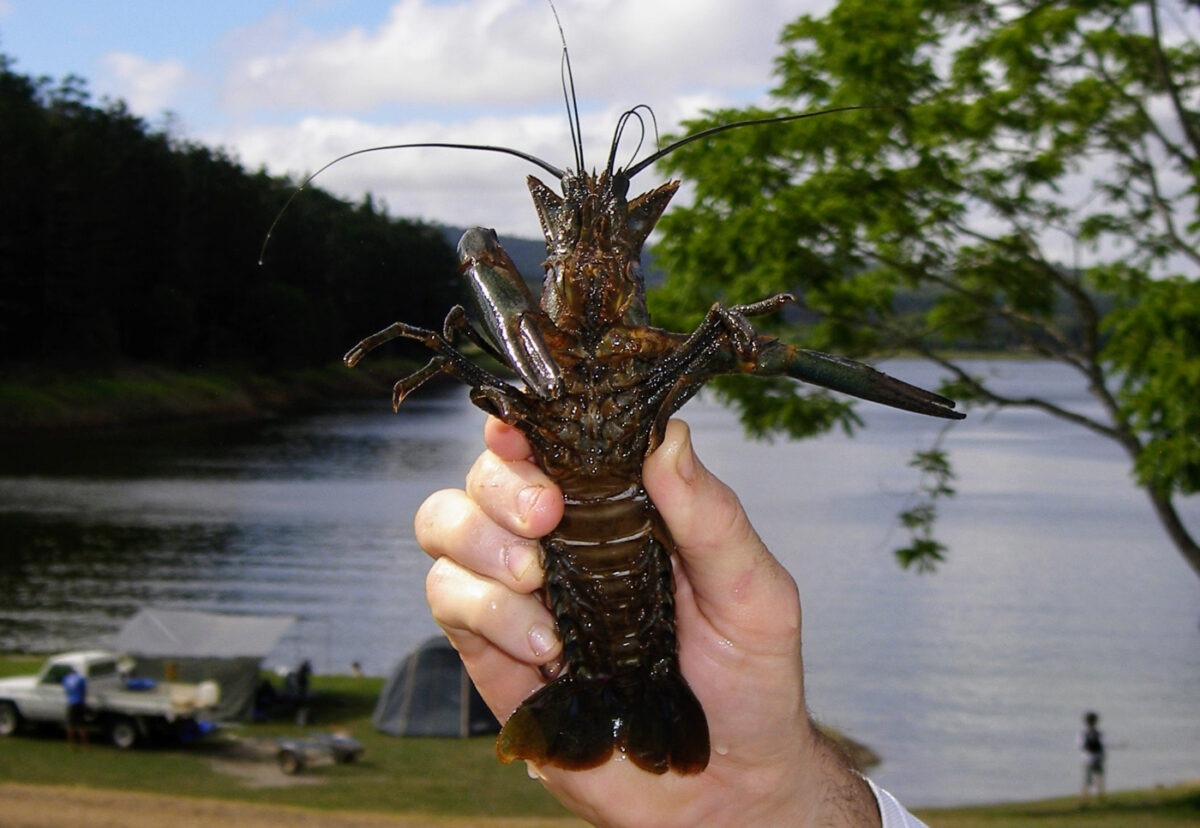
(37,399)
(37,402)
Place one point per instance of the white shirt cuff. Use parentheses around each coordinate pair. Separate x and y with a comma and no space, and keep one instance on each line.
(892,812)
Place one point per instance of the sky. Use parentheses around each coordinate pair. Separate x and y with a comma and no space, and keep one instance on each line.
(291,85)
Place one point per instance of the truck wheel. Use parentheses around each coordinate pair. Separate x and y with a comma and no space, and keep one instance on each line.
(10,719)
(124,732)
(291,761)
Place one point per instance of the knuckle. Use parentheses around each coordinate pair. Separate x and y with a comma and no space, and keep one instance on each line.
(443,522)
(460,598)
(439,583)
(485,473)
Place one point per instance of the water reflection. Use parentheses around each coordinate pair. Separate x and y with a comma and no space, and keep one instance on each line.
(310,516)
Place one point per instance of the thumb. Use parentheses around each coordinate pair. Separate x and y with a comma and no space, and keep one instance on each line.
(733,576)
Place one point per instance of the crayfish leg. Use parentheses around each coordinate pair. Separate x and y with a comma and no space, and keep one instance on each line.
(406,385)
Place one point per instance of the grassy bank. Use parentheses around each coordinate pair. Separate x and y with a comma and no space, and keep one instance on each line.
(133,395)
(47,399)
(1158,808)
(446,779)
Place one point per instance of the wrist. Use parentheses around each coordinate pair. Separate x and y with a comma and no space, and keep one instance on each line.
(832,792)
(813,785)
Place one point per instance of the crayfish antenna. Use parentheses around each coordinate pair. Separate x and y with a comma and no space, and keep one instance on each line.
(525,156)
(572,102)
(705,133)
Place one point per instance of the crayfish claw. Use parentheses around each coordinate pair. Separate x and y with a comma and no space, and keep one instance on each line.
(353,356)
(855,378)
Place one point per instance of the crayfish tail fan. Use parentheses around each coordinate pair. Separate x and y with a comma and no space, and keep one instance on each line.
(665,727)
(569,723)
(576,724)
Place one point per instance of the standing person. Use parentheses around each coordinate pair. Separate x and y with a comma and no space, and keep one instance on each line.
(1091,743)
(738,620)
(302,678)
(75,686)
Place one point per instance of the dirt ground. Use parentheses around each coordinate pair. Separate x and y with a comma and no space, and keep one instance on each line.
(36,806)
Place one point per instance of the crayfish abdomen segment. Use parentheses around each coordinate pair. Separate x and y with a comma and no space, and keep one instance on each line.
(608,584)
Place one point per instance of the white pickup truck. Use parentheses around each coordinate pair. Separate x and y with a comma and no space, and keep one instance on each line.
(128,711)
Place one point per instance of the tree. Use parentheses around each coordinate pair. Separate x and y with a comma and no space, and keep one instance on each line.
(1025,176)
(121,244)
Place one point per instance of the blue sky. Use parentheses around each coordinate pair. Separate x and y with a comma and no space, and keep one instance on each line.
(291,85)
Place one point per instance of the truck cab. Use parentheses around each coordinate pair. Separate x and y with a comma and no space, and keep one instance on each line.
(128,711)
(47,700)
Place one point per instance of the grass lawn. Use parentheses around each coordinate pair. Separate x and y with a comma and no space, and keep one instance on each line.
(451,777)
(448,778)
(1158,808)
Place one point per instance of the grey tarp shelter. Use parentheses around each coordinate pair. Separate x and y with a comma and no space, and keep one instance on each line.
(181,645)
(430,694)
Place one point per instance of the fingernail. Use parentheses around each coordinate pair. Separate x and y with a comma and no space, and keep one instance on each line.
(551,669)
(527,499)
(541,639)
(519,558)
(685,459)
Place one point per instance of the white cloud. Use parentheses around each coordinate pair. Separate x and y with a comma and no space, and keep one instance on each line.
(454,187)
(147,86)
(505,53)
(427,54)
(484,71)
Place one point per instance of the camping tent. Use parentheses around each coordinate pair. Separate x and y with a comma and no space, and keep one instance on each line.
(178,645)
(430,694)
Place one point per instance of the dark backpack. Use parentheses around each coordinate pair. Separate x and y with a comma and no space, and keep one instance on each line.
(1091,741)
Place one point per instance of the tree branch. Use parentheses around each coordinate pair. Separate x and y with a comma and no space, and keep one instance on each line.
(1164,71)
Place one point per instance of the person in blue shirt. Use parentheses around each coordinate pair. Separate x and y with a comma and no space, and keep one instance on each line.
(75,686)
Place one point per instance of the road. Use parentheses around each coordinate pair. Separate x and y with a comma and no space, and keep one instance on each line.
(37,806)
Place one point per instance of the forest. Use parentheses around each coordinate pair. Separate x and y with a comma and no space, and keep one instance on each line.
(120,243)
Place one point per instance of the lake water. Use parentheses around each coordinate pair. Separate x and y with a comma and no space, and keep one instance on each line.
(1060,594)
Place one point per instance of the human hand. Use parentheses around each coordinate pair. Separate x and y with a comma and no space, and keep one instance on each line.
(738,626)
